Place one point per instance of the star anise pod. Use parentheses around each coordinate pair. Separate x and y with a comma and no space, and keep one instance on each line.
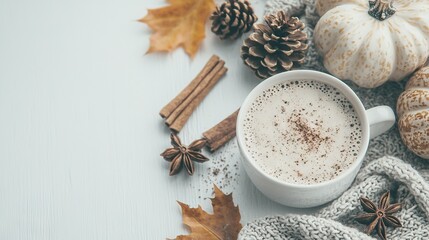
(180,154)
(379,216)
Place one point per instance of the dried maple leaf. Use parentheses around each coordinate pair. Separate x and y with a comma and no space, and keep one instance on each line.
(180,24)
(223,224)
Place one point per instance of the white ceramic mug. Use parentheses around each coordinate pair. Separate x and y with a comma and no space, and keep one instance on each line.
(374,122)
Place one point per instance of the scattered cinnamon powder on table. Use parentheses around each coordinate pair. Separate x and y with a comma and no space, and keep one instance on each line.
(224,170)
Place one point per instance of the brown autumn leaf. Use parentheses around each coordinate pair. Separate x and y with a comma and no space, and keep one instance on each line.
(181,24)
(223,224)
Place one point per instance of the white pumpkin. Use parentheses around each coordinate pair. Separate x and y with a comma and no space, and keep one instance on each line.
(413,113)
(371,42)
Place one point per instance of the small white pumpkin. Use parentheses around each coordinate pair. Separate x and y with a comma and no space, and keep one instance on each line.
(371,42)
(413,113)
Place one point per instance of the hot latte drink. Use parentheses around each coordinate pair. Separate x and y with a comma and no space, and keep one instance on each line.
(302,132)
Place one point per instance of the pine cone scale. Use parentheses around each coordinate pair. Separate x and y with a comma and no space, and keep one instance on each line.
(286,53)
(297,36)
(269,61)
(272,37)
(253,63)
(293,45)
(263,28)
(248,43)
(296,57)
(270,49)
(286,63)
(262,73)
(266,37)
(256,38)
(298,46)
(257,52)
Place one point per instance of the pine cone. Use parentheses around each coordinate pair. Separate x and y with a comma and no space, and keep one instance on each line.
(275,47)
(232,19)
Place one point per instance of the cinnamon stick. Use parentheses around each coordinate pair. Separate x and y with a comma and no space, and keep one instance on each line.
(175,102)
(181,114)
(222,132)
(191,98)
(220,142)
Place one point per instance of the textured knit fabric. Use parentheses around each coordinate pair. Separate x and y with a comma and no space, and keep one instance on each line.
(388,165)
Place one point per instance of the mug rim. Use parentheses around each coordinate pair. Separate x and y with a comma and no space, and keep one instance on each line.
(315,76)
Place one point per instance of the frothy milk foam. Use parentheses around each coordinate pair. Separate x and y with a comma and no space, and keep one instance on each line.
(302,132)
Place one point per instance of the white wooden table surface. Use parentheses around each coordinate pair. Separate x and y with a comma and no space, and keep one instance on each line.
(80,134)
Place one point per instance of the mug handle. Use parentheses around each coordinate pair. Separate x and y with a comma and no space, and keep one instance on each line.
(380,120)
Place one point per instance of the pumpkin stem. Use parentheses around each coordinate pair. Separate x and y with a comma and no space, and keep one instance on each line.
(381,9)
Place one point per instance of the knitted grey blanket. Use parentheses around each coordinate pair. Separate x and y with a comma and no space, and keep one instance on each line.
(388,166)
